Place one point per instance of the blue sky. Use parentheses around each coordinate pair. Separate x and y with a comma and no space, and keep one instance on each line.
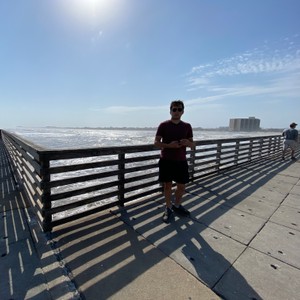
(101,63)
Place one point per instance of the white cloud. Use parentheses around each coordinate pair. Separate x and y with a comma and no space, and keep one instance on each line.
(196,83)
(264,72)
(257,61)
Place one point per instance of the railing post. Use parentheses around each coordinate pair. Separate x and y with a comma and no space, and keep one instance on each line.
(276,145)
(192,164)
(261,142)
(218,156)
(270,147)
(250,150)
(236,152)
(121,178)
(46,193)
(279,143)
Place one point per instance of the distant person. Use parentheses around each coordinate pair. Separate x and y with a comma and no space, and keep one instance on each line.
(290,140)
(173,137)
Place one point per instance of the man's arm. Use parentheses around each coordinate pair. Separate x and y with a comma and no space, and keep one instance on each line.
(192,144)
(158,143)
(296,135)
(284,132)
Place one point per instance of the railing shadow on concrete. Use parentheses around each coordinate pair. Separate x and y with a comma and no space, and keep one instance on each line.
(64,185)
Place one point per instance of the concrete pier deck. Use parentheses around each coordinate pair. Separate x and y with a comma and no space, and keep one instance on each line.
(241,241)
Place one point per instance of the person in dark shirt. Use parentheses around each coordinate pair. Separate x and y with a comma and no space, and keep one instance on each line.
(290,140)
(173,137)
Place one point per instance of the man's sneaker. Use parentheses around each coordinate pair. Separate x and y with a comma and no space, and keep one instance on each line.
(181,210)
(168,213)
(293,158)
(282,158)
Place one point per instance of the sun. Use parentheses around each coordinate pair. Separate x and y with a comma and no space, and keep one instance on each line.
(87,12)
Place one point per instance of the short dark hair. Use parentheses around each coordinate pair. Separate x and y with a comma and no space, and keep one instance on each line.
(177,103)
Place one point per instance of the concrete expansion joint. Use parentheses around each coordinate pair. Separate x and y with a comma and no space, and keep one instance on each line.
(64,268)
(45,245)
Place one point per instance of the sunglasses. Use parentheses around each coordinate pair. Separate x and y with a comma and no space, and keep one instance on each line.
(177,109)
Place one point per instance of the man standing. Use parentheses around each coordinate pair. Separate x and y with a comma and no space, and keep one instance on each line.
(290,140)
(172,137)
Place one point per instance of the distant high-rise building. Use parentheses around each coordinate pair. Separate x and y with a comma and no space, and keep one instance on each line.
(243,124)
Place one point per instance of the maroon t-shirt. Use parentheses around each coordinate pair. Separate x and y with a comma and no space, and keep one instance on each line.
(170,132)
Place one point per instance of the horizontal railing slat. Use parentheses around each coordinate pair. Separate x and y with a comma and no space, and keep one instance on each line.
(82,191)
(78,167)
(83,202)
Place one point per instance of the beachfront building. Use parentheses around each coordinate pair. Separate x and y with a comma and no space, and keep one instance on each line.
(244,124)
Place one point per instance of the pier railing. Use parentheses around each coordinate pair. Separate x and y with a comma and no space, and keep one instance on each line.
(67,184)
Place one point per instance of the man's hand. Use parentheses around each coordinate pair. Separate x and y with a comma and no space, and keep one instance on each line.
(187,143)
(175,144)
(184,142)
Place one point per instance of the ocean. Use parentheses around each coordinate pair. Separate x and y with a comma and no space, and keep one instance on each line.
(68,138)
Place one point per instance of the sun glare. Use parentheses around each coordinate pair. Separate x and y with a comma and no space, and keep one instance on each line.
(91,6)
(89,12)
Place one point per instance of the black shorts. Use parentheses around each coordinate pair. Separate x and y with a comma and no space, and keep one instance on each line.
(170,170)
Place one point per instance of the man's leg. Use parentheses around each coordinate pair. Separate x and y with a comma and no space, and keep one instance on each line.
(284,149)
(293,153)
(179,193)
(168,193)
(177,207)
